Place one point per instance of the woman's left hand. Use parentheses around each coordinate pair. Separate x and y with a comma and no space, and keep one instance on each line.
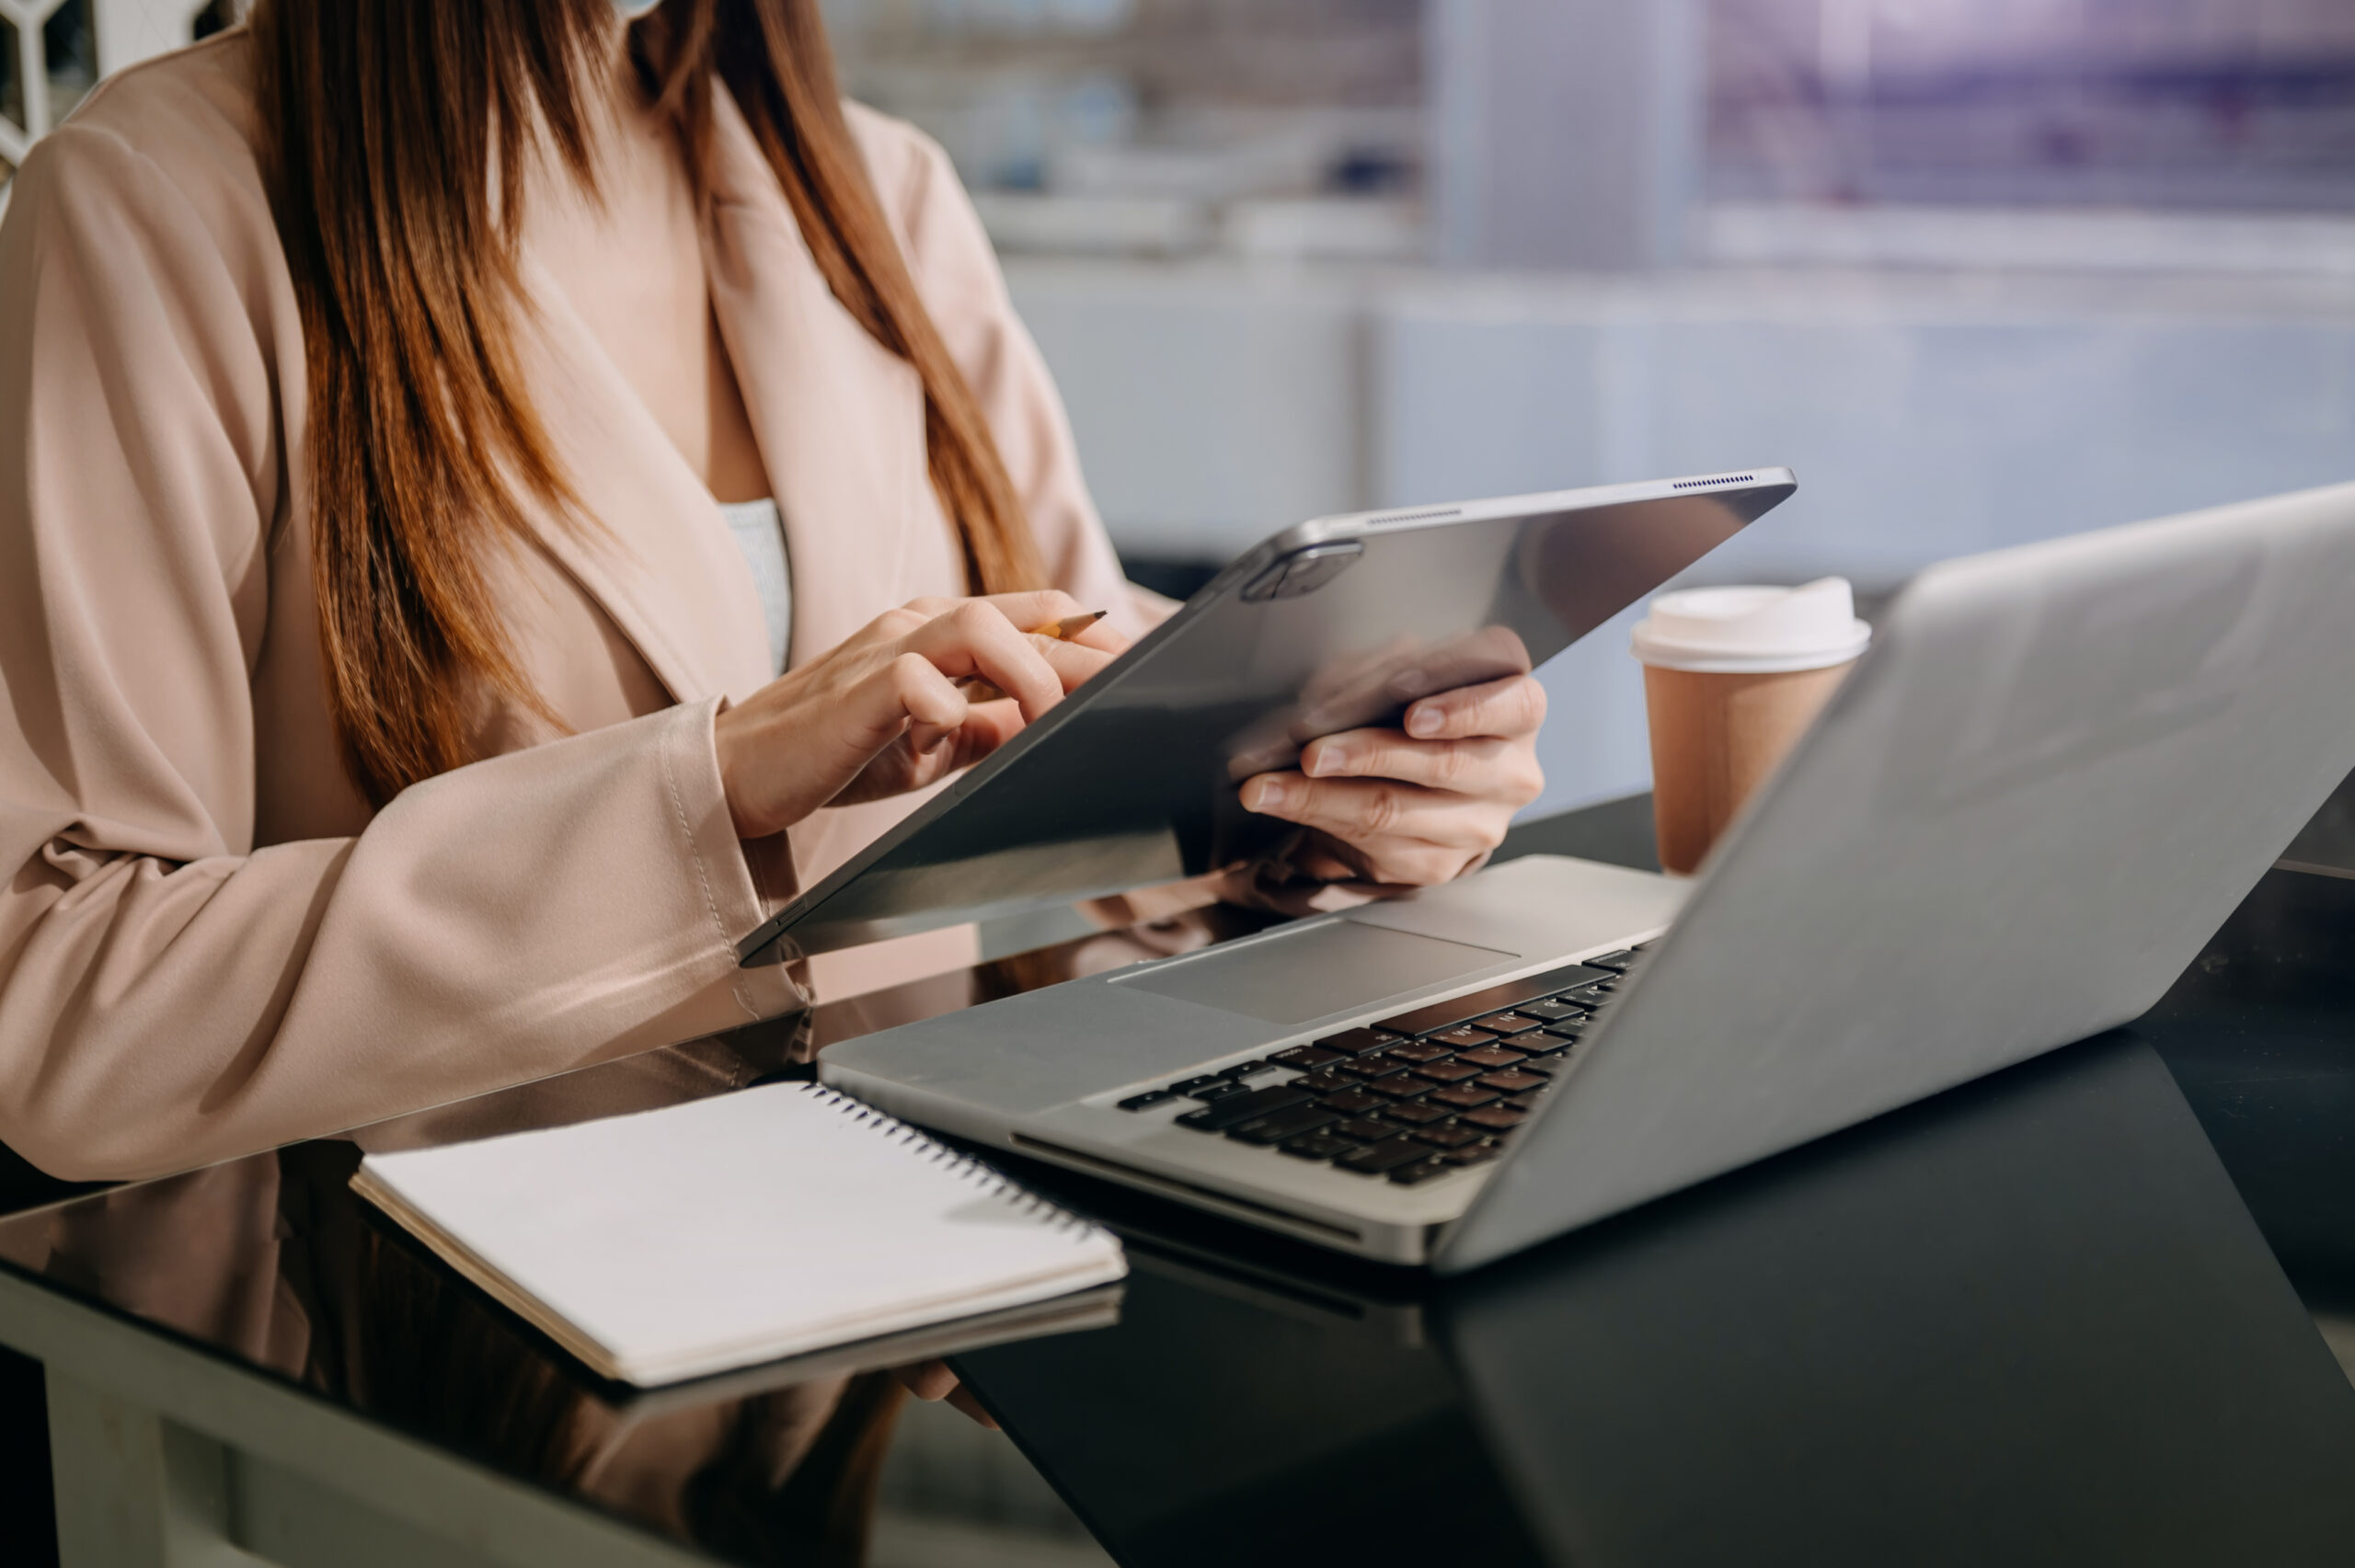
(1416,806)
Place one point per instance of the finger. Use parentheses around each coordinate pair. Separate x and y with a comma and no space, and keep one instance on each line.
(1104,637)
(1027,610)
(1035,607)
(962,1398)
(1036,612)
(1363,809)
(922,697)
(1385,862)
(976,638)
(1508,709)
(1073,664)
(928,1381)
(987,726)
(1488,769)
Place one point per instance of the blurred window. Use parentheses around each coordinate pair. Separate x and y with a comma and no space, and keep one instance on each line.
(1260,127)
(2222,105)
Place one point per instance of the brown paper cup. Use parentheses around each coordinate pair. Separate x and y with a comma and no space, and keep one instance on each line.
(1714,737)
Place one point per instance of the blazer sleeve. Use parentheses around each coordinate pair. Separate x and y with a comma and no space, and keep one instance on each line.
(958,274)
(170,992)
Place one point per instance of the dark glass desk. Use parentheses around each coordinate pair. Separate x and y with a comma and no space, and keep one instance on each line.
(2036,1319)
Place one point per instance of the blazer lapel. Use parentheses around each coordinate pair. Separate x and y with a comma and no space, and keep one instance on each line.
(653,551)
(839,417)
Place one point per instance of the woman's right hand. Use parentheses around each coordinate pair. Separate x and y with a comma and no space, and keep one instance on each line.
(882,713)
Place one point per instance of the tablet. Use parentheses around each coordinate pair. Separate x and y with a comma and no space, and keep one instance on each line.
(1330,625)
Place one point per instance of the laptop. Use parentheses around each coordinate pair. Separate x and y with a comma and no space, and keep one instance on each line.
(2052,776)
(2042,1289)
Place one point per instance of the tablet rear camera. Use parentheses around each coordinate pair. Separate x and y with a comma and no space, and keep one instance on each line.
(1304,571)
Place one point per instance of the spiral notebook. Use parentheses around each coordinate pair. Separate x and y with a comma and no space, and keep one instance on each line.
(716,1234)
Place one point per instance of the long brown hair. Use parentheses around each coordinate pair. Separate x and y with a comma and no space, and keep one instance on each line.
(397,133)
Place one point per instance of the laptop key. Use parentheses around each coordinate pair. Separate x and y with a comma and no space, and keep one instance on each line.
(1285,1124)
(1363,1131)
(1416,1114)
(1550,1011)
(1420,1171)
(1471,1153)
(1492,1056)
(1512,1082)
(1150,1097)
(1352,1102)
(1464,1096)
(1316,1146)
(1376,1157)
(1447,1072)
(1323,1082)
(1415,1051)
(1305,1057)
(1188,1085)
(1247,1105)
(1462,1038)
(1506,1022)
(1357,1042)
(1618,963)
(1366,1068)
(1399,1087)
(1550,1063)
(1488,999)
(1217,1089)
(1448,1137)
(1242,1070)
(1496,1118)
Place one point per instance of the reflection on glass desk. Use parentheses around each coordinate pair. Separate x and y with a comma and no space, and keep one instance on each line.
(2035,1320)
(2326,846)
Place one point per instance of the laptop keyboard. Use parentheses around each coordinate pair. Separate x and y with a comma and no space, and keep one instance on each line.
(1415,1096)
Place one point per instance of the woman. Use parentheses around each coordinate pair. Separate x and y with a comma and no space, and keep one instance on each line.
(393,713)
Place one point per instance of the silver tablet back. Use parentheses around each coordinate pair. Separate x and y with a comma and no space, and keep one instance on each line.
(1327,626)
(2053,776)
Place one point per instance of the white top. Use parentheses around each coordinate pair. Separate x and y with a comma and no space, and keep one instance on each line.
(1752,631)
(759,531)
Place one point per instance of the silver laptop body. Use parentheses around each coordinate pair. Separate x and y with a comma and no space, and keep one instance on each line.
(2050,779)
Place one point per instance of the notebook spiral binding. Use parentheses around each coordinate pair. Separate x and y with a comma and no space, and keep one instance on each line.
(963,1166)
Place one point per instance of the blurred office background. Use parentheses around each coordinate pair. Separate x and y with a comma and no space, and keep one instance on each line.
(1981,270)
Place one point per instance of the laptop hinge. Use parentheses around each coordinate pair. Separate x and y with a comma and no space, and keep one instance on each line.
(1206,1197)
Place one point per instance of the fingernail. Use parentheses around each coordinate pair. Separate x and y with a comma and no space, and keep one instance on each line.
(1268,796)
(1329,759)
(1424,722)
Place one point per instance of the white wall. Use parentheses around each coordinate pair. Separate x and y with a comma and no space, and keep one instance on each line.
(1927,415)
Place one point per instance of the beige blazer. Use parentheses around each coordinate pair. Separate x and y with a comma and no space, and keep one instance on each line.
(208,945)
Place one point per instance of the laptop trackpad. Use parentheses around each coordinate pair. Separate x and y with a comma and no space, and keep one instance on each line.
(1315,971)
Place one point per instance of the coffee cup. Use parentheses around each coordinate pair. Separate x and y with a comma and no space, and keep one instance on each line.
(1732,677)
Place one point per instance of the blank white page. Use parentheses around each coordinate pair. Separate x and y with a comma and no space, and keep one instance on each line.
(739,1229)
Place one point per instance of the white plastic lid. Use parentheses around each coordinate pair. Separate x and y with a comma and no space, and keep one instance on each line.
(1753,631)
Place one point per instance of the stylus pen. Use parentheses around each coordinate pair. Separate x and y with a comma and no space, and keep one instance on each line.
(979,689)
